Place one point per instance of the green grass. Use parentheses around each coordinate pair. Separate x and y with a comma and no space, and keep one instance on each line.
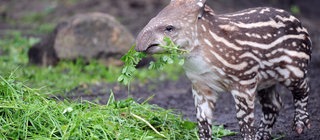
(27,112)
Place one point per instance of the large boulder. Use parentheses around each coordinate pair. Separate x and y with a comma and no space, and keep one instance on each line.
(87,36)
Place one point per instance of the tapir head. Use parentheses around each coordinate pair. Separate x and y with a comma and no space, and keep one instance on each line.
(178,21)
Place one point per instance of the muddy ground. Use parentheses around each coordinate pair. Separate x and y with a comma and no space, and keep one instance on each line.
(175,95)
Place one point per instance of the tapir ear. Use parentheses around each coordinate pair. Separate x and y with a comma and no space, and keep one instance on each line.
(193,5)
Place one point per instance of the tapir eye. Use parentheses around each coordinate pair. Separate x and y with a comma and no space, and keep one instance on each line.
(169,28)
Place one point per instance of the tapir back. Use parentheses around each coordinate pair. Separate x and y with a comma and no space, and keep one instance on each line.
(259,41)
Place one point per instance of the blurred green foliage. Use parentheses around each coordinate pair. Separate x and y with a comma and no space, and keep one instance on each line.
(295,9)
(67,74)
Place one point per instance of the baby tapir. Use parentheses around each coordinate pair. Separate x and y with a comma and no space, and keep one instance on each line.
(245,53)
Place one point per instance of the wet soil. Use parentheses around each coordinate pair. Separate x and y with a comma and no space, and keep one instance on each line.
(176,95)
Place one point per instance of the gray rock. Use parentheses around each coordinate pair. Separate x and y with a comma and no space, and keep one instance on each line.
(89,36)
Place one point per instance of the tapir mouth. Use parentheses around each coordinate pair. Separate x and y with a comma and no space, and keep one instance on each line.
(154,48)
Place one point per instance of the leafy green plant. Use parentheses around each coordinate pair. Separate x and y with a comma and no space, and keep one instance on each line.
(172,54)
(130,59)
(220,131)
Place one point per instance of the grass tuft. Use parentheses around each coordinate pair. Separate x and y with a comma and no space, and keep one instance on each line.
(26,114)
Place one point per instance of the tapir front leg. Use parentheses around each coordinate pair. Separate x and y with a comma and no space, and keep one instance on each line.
(204,99)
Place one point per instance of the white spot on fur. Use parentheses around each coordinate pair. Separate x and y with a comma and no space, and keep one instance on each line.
(204,28)
(208,42)
(207,59)
(294,44)
(251,55)
(265,10)
(229,27)
(200,4)
(280,10)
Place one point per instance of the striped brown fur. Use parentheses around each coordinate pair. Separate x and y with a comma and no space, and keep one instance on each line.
(245,53)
